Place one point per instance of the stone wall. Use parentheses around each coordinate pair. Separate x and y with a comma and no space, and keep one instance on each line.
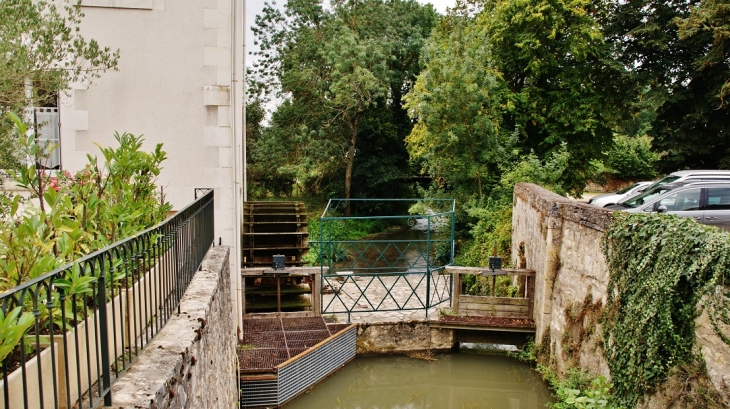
(402,337)
(191,363)
(560,239)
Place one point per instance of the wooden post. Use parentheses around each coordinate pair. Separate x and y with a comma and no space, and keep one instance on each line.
(278,294)
(455,293)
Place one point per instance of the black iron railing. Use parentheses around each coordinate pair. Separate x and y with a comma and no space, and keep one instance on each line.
(92,318)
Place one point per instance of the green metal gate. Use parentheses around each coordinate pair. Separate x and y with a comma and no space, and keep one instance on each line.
(387,273)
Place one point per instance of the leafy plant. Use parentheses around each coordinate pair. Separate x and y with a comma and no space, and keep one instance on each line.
(631,158)
(664,271)
(69,216)
(596,396)
(12,328)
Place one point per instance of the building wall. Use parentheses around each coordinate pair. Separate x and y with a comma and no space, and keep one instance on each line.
(179,83)
(191,363)
(173,87)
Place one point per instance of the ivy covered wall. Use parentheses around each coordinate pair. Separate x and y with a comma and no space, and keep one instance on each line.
(649,335)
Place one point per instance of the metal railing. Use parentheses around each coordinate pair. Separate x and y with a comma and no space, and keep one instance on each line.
(92,318)
(392,273)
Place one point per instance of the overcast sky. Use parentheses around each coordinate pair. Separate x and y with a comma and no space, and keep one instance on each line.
(254,7)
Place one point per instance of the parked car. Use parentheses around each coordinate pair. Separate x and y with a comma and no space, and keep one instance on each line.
(608,199)
(707,202)
(686,176)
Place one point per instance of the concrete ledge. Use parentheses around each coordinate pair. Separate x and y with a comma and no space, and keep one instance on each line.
(191,362)
(120,4)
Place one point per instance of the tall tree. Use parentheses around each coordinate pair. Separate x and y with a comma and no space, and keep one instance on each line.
(677,56)
(333,66)
(531,74)
(41,54)
(458,137)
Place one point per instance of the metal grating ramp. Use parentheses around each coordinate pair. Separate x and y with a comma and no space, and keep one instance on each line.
(283,357)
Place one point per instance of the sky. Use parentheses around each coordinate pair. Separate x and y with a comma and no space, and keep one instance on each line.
(254,7)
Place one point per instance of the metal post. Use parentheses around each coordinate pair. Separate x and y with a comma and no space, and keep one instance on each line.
(428,267)
(104,340)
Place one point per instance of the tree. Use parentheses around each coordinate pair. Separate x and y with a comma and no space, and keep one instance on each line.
(458,137)
(560,75)
(41,54)
(332,67)
(677,57)
(530,76)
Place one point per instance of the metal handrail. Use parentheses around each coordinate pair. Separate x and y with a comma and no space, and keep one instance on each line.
(391,266)
(90,334)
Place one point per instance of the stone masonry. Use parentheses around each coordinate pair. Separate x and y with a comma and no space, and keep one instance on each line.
(560,239)
(191,363)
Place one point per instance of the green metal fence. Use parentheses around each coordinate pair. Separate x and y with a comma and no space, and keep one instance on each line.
(396,271)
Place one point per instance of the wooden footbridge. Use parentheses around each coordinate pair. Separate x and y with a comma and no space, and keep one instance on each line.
(491,318)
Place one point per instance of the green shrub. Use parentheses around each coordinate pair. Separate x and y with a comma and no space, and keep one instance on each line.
(631,158)
(74,216)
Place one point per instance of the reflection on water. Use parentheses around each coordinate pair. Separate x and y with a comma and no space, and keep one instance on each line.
(454,381)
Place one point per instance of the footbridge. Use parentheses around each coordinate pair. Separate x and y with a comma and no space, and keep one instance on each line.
(409,274)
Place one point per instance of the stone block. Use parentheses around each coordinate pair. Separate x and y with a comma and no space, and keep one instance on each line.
(216,136)
(217,56)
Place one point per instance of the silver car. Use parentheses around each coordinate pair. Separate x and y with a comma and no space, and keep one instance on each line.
(687,176)
(706,202)
(608,199)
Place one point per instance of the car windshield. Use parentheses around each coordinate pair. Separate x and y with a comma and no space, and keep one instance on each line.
(662,181)
(627,189)
(647,195)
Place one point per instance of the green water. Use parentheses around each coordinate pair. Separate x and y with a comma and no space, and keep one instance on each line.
(453,381)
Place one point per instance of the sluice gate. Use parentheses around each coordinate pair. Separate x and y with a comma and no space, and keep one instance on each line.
(275,229)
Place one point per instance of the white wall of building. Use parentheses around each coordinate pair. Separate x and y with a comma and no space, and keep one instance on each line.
(174,87)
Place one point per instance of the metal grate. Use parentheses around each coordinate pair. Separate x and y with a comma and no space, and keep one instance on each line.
(271,339)
(261,360)
(262,325)
(335,328)
(305,339)
(303,324)
(296,375)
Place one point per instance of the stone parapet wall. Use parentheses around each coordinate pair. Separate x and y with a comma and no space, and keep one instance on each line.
(560,239)
(191,363)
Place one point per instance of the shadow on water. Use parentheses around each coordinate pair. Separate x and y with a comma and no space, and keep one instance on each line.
(454,381)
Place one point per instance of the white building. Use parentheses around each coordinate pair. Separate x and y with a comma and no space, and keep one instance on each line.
(180,83)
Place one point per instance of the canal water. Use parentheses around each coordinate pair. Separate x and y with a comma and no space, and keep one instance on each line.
(464,380)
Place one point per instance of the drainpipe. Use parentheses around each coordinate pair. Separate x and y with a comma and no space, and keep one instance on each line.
(237,127)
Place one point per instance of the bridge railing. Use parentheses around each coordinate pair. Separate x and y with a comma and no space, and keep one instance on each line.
(395,272)
(91,319)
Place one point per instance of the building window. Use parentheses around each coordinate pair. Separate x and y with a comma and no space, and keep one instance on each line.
(46,125)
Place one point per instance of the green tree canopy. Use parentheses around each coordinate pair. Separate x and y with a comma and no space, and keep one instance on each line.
(531,75)
(677,57)
(332,66)
(41,54)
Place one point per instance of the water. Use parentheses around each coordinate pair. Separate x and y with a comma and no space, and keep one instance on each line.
(453,381)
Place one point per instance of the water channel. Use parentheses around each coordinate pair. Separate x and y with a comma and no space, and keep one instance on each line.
(469,379)
(463,380)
